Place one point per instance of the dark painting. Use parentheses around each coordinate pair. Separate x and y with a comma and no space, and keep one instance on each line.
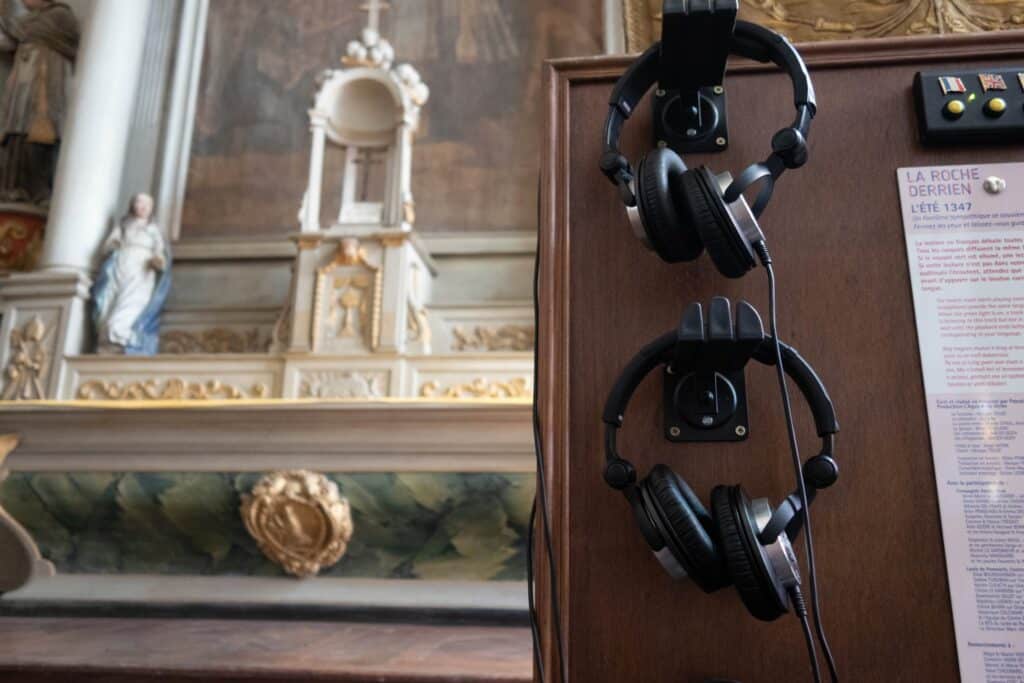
(476,156)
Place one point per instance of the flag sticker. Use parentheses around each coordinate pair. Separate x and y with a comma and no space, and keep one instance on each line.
(951,84)
(991,82)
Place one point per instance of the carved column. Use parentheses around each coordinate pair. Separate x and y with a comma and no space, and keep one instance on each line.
(45,313)
(92,153)
(310,217)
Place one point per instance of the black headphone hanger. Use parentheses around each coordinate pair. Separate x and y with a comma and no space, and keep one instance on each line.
(819,471)
(789,147)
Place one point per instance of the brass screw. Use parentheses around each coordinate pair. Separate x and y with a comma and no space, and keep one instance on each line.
(674,431)
(741,430)
(659,92)
(720,142)
(718,90)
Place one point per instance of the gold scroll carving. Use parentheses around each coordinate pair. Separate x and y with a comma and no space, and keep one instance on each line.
(299,520)
(174,389)
(478,388)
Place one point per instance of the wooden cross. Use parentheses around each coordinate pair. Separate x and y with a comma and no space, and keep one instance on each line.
(366,157)
(374,8)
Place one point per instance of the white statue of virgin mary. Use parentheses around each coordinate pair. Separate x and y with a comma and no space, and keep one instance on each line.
(132,284)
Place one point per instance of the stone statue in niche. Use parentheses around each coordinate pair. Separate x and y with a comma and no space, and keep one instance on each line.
(132,284)
(34,103)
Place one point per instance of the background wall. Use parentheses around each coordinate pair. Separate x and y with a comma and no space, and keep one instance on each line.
(476,156)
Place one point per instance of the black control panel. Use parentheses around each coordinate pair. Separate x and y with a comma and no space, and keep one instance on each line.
(985,106)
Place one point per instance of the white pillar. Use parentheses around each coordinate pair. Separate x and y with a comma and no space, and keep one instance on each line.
(92,152)
(181,114)
(315,189)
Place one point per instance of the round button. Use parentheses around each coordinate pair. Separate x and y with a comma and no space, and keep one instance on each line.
(995,106)
(954,109)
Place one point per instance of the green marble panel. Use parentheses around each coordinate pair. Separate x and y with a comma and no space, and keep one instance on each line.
(455,526)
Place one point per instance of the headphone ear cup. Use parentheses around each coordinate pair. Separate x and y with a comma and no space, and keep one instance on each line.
(668,226)
(686,526)
(711,221)
(744,558)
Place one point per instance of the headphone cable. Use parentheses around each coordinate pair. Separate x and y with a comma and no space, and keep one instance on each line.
(530,597)
(800,607)
(766,261)
(540,498)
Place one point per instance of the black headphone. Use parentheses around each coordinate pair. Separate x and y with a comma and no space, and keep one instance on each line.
(679,212)
(740,541)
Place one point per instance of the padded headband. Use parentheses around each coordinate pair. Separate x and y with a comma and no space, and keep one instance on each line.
(819,471)
(749,40)
(659,352)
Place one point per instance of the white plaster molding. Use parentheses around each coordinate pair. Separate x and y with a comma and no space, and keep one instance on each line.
(449,322)
(480,243)
(258,436)
(251,591)
(438,244)
(500,375)
(230,286)
(232,249)
(218,376)
(472,280)
(58,299)
(20,560)
(386,370)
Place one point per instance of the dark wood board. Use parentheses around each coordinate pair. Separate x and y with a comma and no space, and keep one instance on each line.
(845,302)
(109,650)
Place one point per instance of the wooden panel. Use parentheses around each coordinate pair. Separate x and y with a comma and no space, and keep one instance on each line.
(836,234)
(808,20)
(170,650)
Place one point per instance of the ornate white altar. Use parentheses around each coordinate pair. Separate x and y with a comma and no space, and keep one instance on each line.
(354,311)
(369,312)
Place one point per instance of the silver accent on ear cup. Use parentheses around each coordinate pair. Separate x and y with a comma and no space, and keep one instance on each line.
(740,214)
(670,563)
(781,558)
(636,221)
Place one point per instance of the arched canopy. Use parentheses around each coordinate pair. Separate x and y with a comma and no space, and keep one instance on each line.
(363,106)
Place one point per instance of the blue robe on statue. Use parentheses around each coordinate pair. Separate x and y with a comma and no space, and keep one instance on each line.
(129,293)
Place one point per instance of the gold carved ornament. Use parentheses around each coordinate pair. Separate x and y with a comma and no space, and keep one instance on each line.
(504,338)
(166,390)
(418,324)
(28,364)
(478,388)
(299,520)
(348,295)
(216,340)
(342,384)
(409,211)
(803,20)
